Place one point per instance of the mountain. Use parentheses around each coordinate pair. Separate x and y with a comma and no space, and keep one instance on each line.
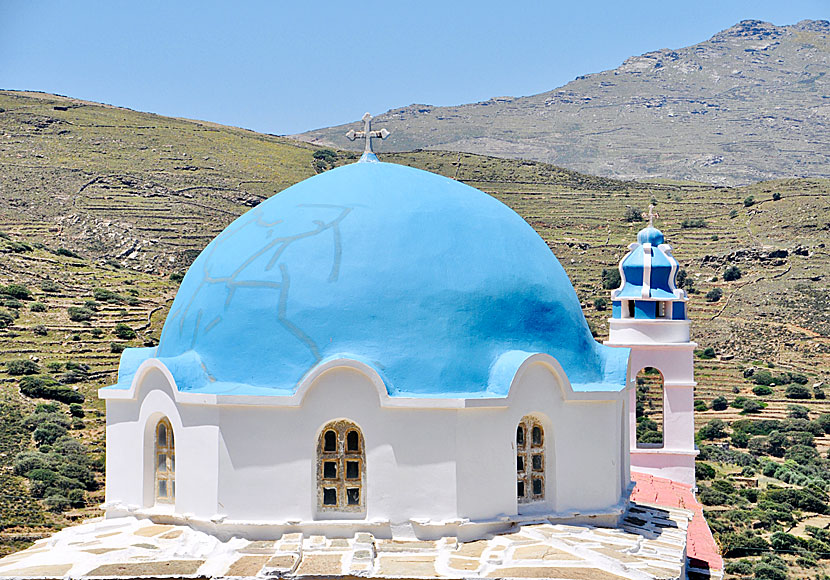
(751,103)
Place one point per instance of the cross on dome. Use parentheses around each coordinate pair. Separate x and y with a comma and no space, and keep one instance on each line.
(651,215)
(367,134)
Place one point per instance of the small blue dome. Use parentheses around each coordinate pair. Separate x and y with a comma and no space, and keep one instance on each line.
(650,235)
(428,280)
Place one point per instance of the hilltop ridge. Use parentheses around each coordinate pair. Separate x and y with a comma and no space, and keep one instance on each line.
(750,103)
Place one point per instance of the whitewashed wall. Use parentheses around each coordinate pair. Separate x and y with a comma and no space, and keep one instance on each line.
(432,464)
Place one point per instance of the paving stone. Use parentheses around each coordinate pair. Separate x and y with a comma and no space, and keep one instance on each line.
(172,535)
(542,552)
(107,535)
(320,565)
(146,546)
(407,566)
(259,547)
(46,571)
(339,543)
(247,566)
(554,572)
(472,549)
(404,545)
(282,562)
(99,551)
(154,530)
(464,564)
(163,568)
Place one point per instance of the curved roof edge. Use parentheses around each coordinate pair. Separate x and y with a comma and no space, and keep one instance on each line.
(192,383)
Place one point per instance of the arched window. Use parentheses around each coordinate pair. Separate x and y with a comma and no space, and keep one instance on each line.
(649,408)
(530,460)
(165,462)
(341,468)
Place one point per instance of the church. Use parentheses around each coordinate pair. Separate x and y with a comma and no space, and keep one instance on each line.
(379,349)
(382,372)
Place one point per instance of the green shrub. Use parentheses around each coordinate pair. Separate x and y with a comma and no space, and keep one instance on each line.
(693,223)
(704,471)
(79,314)
(611,278)
(45,387)
(117,347)
(761,390)
(22,367)
(700,405)
(67,253)
(731,274)
(720,403)
(633,214)
(77,498)
(37,307)
(600,304)
(40,417)
(752,407)
(776,196)
(16,291)
(48,433)
(749,201)
(714,429)
(40,330)
(706,354)
(97,333)
(56,503)
(6,319)
(28,461)
(12,303)
(733,213)
(104,295)
(76,410)
(123,331)
(796,391)
(739,567)
(50,286)
(739,439)
(714,295)
(176,277)
(651,437)
(798,412)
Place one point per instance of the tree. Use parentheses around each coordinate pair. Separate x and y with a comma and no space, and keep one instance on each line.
(752,406)
(714,295)
(600,304)
(22,367)
(776,196)
(714,429)
(798,412)
(611,278)
(749,201)
(732,273)
(633,214)
(796,391)
(720,403)
(79,314)
(16,291)
(761,390)
(123,331)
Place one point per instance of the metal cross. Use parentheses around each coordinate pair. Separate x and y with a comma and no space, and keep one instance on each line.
(651,215)
(368,134)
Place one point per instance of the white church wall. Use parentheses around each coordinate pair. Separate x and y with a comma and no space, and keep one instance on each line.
(429,463)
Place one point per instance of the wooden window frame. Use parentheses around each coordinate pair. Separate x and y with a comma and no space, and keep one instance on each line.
(164,462)
(528,450)
(341,484)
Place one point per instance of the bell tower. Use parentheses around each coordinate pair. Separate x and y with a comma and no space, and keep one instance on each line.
(649,316)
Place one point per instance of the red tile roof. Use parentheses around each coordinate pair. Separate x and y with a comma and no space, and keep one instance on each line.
(701,549)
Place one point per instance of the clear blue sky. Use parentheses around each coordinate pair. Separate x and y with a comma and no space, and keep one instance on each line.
(286,67)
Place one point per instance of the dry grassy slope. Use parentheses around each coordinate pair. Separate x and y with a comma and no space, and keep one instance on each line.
(121,187)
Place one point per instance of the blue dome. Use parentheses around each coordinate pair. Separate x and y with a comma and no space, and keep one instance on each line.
(431,282)
(650,235)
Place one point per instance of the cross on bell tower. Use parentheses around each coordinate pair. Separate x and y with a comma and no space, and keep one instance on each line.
(367,134)
(651,215)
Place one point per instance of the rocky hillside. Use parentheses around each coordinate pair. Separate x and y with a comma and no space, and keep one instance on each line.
(102,209)
(751,103)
